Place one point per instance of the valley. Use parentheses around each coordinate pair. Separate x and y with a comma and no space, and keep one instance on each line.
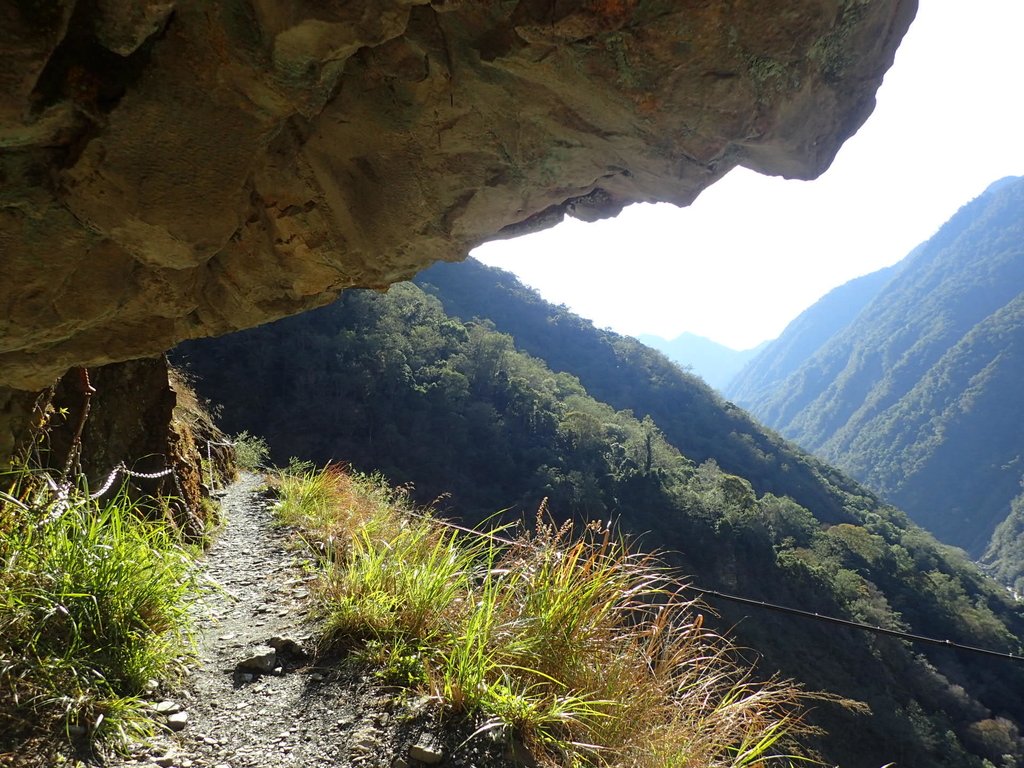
(495,400)
(286,479)
(914,389)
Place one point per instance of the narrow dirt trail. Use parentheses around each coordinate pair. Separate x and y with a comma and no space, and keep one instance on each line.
(289,715)
(246,707)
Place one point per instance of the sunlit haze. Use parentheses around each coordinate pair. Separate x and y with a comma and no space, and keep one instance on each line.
(753,251)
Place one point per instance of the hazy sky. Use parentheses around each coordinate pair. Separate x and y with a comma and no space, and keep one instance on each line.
(753,251)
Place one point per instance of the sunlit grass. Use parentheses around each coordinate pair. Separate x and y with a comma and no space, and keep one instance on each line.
(331,505)
(580,648)
(93,604)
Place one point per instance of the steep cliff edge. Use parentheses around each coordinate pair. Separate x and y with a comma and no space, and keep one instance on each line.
(173,170)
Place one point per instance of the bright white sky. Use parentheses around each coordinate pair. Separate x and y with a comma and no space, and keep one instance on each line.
(753,251)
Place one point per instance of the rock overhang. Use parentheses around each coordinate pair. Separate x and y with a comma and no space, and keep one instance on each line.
(182,169)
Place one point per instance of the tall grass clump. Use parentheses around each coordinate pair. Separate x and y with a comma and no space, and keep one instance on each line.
(93,604)
(330,505)
(572,643)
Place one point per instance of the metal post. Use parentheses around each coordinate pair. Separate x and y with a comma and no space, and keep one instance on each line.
(209,457)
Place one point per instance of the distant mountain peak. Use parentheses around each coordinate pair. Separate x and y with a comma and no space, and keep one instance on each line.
(1002,183)
(714,362)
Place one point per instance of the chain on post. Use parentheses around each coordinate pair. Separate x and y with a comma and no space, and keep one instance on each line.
(148,475)
(62,500)
(177,484)
(62,491)
(122,468)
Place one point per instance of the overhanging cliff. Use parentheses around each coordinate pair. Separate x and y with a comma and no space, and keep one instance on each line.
(182,169)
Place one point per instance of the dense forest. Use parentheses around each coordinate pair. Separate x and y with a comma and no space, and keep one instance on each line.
(605,428)
(919,395)
(1004,557)
(624,373)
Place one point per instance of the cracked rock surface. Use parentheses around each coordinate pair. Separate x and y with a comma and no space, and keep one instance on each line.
(171,169)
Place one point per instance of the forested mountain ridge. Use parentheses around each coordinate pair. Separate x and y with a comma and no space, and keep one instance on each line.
(919,397)
(804,336)
(626,374)
(391,382)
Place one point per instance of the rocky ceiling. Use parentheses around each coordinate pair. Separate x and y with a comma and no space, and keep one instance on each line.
(179,169)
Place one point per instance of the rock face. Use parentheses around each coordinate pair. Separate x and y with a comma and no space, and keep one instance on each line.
(181,169)
(139,414)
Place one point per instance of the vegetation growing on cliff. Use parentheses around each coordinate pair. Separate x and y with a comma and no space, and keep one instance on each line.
(93,606)
(1004,558)
(919,395)
(97,583)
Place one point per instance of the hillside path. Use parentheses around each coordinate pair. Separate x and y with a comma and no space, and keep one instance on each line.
(292,714)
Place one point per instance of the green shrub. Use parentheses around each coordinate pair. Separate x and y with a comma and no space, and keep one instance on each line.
(251,452)
(93,604)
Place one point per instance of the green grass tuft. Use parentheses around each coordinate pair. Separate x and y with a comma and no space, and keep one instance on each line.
(573,644)
(93,604)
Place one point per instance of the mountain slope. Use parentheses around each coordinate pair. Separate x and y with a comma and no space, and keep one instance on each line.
(624,373)
(392,382)
(1004,558)
(919,396)
(805,336)
(716,363)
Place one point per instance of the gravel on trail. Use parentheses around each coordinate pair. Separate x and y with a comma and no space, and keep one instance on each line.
(257,700)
